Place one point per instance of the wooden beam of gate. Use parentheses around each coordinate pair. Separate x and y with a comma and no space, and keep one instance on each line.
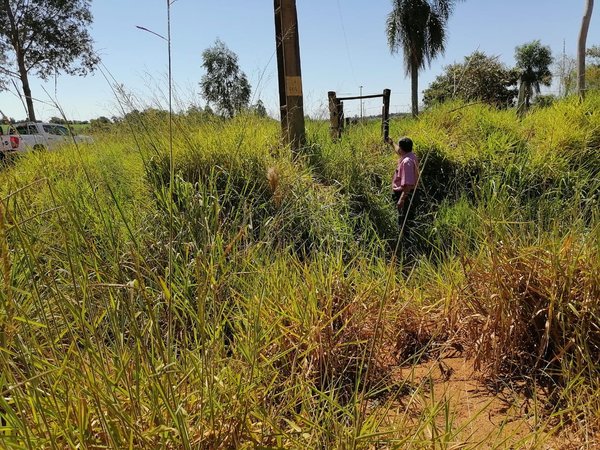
(289,71)
(359,97)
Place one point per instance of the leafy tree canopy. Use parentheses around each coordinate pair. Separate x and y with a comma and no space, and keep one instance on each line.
(3,64)
(50,34)
(259,109)
(102,123)
(45,37)
(479,77)
(224,84)
(594,54)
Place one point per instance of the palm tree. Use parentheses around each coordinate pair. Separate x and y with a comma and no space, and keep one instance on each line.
(533,62)
(418,27)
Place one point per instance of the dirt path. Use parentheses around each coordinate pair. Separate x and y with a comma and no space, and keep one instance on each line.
(446,405)
(478,415)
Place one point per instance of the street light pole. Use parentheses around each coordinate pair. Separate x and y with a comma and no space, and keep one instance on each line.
(361,105)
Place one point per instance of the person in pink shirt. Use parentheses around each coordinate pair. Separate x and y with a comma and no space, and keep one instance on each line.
(404,183)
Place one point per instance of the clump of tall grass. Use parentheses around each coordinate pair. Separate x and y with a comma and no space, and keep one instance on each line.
(566,135)
(532,310)
(238,184)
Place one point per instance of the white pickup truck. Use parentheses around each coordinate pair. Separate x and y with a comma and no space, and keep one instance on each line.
(8,144)
(44,136)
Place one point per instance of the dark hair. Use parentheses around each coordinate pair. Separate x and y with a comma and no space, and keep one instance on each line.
(406,144)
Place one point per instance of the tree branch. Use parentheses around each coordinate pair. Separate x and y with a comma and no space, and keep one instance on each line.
(9,72)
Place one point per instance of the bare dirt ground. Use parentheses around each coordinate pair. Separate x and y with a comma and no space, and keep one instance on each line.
(448,405)
(480,417)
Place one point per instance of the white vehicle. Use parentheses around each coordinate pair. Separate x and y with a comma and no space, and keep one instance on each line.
(8,144)
(44,136)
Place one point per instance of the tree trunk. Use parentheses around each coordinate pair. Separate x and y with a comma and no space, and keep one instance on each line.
(585,25)
(19,53)
(26,89)
(414,79)
(521,108)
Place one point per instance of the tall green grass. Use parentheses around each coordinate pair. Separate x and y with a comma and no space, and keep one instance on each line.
(287,316)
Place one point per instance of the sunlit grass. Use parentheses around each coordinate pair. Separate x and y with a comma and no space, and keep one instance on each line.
(287,315)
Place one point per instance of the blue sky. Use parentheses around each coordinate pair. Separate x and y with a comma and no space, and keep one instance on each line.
(342,43)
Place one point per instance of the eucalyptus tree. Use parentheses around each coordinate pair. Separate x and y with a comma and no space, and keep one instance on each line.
(3,64)
(533,63)
(45,38)
(585,25)
(418,28)
(224,84)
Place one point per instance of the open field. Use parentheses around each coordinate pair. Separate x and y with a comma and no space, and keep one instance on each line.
(247,300)
(77,128)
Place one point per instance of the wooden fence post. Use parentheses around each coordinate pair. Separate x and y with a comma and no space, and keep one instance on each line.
(340,109)
(333,116)
(385,124)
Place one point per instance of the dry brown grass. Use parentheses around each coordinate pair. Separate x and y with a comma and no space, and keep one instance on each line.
(354,342)
(532,311)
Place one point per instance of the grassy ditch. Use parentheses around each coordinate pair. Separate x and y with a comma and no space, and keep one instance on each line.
(254,300)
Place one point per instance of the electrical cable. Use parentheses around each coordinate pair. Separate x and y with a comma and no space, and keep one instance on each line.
(346,41)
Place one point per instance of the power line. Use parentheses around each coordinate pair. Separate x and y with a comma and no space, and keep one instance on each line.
(346,41)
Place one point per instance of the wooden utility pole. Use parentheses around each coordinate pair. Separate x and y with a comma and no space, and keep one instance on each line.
(290,76)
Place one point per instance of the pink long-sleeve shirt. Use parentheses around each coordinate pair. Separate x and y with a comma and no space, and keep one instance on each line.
(406,173)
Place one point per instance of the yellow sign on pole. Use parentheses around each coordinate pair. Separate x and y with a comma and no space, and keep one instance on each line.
(293,86)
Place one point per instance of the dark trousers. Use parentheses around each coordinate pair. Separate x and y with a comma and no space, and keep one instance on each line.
(406,214)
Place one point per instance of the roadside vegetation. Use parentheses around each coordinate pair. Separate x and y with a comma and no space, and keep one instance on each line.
(245,299)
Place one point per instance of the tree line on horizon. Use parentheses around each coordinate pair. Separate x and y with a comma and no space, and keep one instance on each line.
(48,37)
(418,28)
